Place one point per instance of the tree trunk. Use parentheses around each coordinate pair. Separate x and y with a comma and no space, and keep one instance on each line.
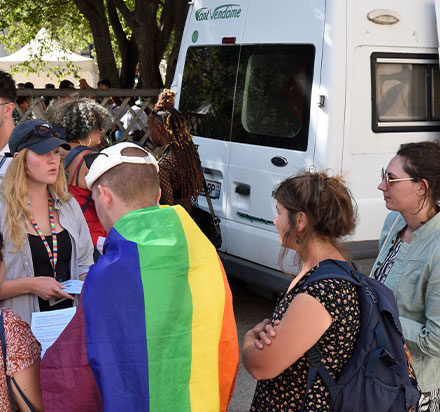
(179,24)
(94,12)
(127,49)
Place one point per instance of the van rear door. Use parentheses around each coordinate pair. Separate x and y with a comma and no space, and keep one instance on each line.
(205,79)
(273,128)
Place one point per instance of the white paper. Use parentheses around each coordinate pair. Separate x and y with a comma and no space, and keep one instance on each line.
(73,286)
(47,326)
(100,244)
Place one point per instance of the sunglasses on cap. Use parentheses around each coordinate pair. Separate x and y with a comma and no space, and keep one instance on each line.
(46,131)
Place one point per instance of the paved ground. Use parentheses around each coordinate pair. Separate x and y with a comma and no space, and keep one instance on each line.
(249,309)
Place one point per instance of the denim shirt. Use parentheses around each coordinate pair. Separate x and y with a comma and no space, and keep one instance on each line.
(19,264)
(415,281)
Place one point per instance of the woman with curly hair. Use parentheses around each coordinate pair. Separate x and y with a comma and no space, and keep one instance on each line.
(180,171)
(84,121)
(47,240)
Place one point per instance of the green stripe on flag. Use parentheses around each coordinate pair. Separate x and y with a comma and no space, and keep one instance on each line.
(168,303)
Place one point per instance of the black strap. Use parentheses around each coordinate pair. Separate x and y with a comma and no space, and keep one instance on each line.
(215,219)
(72,154)
(87,203)
(316,366)
(77,172)
(8,379)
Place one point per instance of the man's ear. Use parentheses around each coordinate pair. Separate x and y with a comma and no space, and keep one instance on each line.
(106,196)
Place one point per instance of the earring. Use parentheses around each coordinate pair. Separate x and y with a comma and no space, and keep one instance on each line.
(298,241)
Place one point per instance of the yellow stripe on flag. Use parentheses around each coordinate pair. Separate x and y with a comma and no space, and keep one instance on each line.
(208,297)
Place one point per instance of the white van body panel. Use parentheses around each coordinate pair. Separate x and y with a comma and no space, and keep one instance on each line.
(341,138)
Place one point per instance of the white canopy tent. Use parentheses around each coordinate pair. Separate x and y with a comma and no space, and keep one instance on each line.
(53,55)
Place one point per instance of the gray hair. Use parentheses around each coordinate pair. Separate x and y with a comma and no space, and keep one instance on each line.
(79,117)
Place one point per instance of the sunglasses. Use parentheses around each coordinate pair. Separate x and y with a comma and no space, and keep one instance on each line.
(385,176)
(45,131)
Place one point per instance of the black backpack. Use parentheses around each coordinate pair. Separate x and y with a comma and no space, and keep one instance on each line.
(377,376)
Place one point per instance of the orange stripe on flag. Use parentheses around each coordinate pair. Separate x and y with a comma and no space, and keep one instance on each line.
(228,356)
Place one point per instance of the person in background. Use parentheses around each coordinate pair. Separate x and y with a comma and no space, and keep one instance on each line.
(84,122)
(104,84)
(20,85)
(135,131)
(314,212)
(66,84)
(181,175)
(83,84)
(22,359)
(155,327)
(48,99)
(47,240)
(409,258)
(8,96)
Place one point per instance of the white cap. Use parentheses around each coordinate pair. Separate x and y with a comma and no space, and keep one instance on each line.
(108,158)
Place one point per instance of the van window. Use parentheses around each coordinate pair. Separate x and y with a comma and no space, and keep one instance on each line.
(208,90)
(257,94)
(405,92)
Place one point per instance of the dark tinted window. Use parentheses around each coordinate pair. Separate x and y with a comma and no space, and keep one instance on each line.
(249,94)
(272,104)
(208,90)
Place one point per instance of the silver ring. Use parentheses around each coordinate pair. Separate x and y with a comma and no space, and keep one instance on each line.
(57,291)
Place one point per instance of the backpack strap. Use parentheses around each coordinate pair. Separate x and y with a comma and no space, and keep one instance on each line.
(333,269)
(328,269)
(78,167)
(316,366)
(73,153)
(382,353)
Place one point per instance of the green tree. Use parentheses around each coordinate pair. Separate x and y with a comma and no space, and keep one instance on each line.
(125,33)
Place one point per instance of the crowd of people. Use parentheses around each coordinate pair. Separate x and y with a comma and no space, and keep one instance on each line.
(154,327)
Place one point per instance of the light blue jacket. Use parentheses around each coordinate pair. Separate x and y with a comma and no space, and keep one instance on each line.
(415,281)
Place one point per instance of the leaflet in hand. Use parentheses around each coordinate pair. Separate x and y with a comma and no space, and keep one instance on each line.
(73,287)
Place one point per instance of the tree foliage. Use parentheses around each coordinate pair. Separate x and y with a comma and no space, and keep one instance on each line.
(126,34)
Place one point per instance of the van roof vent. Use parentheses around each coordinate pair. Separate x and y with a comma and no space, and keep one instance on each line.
(382,16)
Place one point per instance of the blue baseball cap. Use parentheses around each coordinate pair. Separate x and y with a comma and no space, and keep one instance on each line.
(38,136)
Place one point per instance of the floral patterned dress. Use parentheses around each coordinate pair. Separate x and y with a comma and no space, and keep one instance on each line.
(286,391)
(22,351)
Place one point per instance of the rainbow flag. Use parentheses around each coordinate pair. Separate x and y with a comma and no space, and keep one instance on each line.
(154,329)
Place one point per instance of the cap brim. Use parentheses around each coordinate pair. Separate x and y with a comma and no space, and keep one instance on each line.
(46,145)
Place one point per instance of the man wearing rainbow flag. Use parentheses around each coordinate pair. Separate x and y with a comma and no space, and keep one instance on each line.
(154,329)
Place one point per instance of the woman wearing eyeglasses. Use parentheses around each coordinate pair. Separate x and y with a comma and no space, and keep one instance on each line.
(47,240)
(409,257)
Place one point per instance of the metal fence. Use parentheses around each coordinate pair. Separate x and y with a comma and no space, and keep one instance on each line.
(127,97)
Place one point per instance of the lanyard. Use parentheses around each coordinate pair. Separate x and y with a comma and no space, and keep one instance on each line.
(53,256)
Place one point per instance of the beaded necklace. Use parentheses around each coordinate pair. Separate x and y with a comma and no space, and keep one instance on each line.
(53,255)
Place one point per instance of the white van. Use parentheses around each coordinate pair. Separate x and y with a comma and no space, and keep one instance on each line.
(271,87)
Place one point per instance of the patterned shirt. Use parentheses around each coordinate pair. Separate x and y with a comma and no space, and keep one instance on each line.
(286,391)
(22,351)
(382,271)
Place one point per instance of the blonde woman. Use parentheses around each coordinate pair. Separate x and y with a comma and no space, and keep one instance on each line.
(47,240)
